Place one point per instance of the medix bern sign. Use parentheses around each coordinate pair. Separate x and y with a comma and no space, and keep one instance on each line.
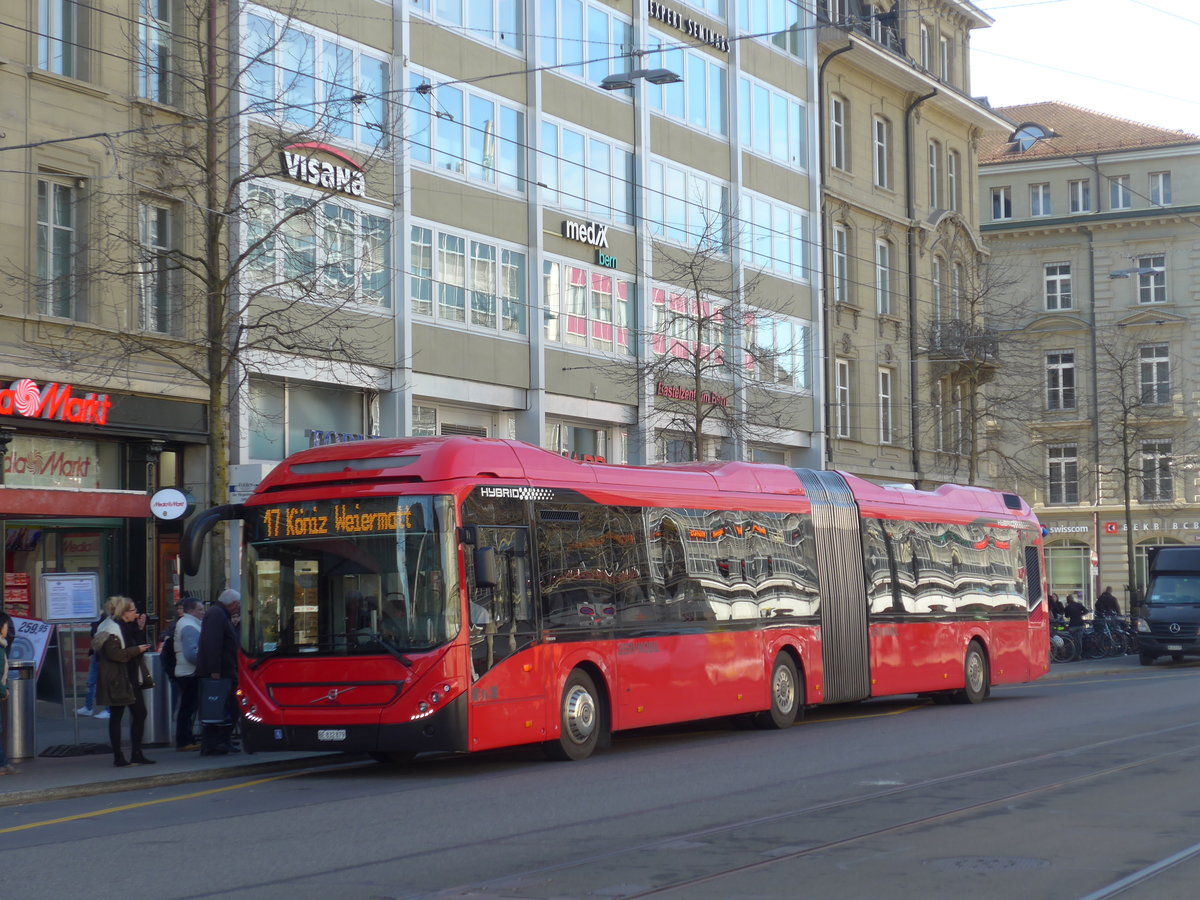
(54,401)
(347,179)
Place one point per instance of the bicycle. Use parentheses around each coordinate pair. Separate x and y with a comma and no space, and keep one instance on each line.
(1062,646)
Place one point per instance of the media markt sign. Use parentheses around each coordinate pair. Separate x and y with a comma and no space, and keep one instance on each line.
(53,401)
(171,503)
(302,166)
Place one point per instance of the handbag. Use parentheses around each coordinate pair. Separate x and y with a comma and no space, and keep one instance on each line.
(214,699)
(147,679)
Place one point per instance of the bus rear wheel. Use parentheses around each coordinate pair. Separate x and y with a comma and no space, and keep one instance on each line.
(787,695)
(581,719)
(976,677)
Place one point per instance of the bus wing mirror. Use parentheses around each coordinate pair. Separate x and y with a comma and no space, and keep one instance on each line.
(485,567)
(197,529)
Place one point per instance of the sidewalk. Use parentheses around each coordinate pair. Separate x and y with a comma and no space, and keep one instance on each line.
(62,777)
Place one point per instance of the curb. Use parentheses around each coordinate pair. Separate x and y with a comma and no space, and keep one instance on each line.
(168,779)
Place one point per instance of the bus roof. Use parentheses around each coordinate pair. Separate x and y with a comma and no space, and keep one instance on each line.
(436,459)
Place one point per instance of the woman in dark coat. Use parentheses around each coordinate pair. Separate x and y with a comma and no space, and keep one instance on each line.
(121,682)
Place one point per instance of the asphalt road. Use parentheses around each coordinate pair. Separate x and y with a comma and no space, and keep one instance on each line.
(1079,788)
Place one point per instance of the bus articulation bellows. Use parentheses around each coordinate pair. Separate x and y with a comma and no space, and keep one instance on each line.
(461,594)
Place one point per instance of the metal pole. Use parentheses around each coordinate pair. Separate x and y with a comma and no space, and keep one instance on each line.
(74,686)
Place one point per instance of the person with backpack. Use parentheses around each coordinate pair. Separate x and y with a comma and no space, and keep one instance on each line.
(166,653)
(186,643)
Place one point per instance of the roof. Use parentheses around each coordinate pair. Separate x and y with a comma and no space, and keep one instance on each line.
(1074,131)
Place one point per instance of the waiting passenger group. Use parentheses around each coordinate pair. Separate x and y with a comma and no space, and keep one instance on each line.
(1074,611)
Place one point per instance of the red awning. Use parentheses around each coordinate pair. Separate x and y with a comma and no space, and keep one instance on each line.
(16,501)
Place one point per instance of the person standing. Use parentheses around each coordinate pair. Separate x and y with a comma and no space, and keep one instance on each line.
(1075,625)
(217,658)
(1106,604)
(121,678)
(186,638)
(5,622)
(93,679)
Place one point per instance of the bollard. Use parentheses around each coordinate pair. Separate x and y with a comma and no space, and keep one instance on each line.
(20,724)
(158,704)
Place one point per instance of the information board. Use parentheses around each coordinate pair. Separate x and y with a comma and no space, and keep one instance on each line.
(71,596)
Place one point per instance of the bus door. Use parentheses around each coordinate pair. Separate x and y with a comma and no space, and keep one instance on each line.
(508,687)
(845,650)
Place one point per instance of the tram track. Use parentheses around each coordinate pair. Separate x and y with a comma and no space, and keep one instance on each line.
(757,833)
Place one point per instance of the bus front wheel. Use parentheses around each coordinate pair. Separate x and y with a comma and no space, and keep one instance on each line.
(581,719)
(787,695)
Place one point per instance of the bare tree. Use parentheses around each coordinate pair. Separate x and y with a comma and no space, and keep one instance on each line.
(720,361)
(977,383)
(204,265)
(1149,431)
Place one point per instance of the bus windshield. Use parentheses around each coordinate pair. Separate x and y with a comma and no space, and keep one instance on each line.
(340,577)
(1174,590)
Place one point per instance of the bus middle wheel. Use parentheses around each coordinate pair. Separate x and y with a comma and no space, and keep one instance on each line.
(581,719)
(787,695)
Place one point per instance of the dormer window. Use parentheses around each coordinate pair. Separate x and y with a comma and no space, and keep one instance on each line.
(1023,139)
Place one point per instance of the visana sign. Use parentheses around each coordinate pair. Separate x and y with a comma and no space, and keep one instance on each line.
(54,401)
(347,179)
(592,233)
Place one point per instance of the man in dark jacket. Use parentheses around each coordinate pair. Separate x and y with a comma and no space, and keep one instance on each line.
(216,657)
(1075,625)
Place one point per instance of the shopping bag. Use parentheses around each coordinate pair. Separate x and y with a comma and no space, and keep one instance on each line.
(214,699)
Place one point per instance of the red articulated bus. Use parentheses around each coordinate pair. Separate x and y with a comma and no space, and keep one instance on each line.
(461,594)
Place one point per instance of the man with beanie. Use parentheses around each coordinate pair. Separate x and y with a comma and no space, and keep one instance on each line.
(216,657)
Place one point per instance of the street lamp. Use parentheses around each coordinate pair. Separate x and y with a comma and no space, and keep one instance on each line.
(619,81)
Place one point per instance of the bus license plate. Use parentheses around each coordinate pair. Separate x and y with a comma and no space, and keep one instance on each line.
(1174,646)
(331,734)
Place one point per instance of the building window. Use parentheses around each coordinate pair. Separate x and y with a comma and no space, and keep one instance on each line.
(1001,203)
(1157,481)
(953,174)
(57,245)
(957,423)
(883,278)
(776,236)
(1160,188)
(583,171)
(779,25)
(577,441)
(1060,380)
(424,422)
(60,28)
(587,309)
(672,449)
(925,48)
(282,416)
(956,290)
(691,328)
(583,41)
(1039,200)
(1152,286)
(468,133)
(937,276)
(773,124)
(154,50)
(493,21)
(350,260)
(701,99)
(156,294)
(1119,195)
(881,130)
(839,149)
(946,59)
(687,206)
(478,283)
(839,271)
(885,406)
(938,396)
(315,80)
(842,397)
(935,175)
(776,349)
(1155,374)
(1057,280)
(1063,481)
(1080,193)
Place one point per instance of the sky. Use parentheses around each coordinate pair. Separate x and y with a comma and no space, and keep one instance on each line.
(1137,59)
